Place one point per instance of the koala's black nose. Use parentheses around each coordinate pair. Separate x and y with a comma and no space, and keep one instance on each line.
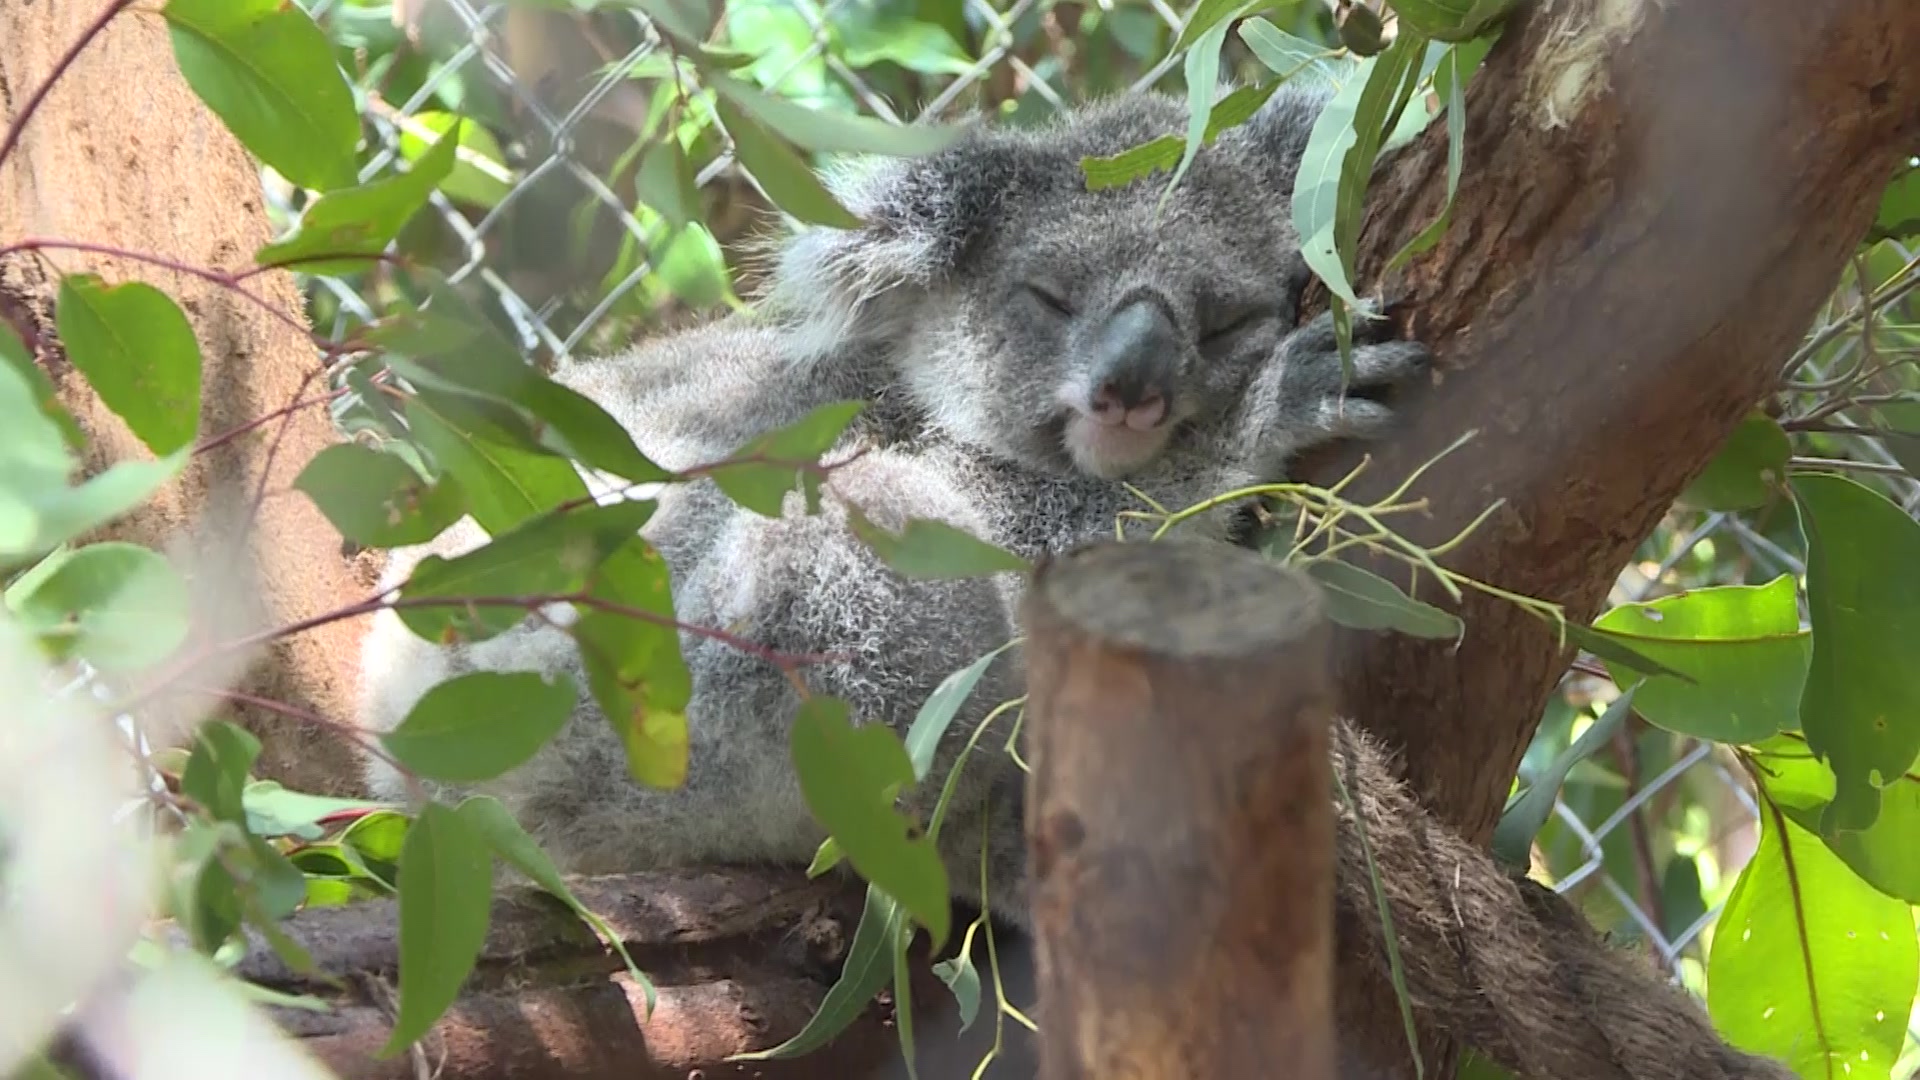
(1133,366)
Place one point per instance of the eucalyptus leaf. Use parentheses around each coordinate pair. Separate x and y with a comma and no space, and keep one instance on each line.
(268,72)
(1742,646)
(1527,812)
(635,668)
(476,726)
(445,910)
(360,221)
(1363,600)
(933,550)
(848,776)
(119,606)
(138,353)
(1860,708)
(377,500)
(1809,964)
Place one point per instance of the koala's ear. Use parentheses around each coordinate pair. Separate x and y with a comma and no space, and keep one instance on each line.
(1276,136)
(919,216)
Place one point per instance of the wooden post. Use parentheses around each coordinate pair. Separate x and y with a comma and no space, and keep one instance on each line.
(1180,816)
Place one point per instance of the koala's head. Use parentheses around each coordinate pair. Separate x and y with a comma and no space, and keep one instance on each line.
(1064,328)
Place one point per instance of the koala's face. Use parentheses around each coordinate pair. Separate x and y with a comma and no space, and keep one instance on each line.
(1075,329)
(1089,335)
(1064,328)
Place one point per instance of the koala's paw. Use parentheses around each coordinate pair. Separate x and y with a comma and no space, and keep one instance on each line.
(1312,376)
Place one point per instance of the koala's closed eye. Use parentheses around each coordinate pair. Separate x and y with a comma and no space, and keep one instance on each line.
(1049,297)
(1224,326)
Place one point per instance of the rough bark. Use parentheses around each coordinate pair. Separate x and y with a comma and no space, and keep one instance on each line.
(123,154)
(1181,814)
(1656,199)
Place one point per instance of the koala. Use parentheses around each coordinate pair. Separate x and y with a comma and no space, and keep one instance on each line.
(1036,356)
(1031,349)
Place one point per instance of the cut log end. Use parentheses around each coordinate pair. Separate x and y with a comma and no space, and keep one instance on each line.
(1179,599)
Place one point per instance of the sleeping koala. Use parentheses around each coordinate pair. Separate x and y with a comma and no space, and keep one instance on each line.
(1030,348)
(1033,353)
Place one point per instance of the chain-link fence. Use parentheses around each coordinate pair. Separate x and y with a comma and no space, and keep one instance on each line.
(1648,835)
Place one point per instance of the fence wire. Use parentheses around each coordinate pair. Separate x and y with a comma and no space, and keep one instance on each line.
(1601,851)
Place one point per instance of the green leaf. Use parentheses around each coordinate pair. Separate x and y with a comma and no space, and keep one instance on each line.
(759,475)
(549,556)
(216,775)
(14,354)
(1450,79)
(503,486)
(379,839)
(1527,812)
(781,172)
(1899,214)
(1210,15)
(1612,649)
(119,606)
(476,726)
(937,712)
(1316,186)
(452,347)
(1168,150)
(928,549)
(1284,54)
(1747,471)
(1861,706)
(848,776)
(635,668)
(1364,600)
(960,976)
(138,353)
(273,810)
(511,843)
(825,857)
(33,522)
(1802,786)
(831,131)
(444,913)
(1809,964)
(665,183)
(1450,20)
(1740,644)
(479,175)
(360,221)
(1203,80)
(916,46)
(688,20)
(1133,163)
(268,72)
(869,963)
(377,500)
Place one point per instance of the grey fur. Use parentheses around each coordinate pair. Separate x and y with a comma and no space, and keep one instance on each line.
(925,311)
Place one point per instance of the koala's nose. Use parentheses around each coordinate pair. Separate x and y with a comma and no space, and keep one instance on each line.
(1133,367)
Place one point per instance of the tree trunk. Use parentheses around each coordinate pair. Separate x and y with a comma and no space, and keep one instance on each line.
(123,154)
(1656,199)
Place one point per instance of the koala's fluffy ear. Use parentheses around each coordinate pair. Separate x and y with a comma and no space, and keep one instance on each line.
(919,216)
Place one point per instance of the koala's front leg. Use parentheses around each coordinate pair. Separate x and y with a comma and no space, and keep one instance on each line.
(808,585)
(1296,400)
